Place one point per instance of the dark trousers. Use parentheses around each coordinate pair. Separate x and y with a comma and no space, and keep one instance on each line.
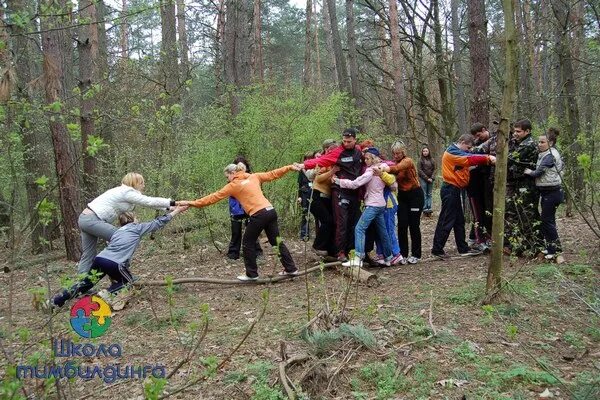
(265,219)
(410,207)
(550,200)
(451,218)
(304,204)
(321,209)
(522,219)
(237,222)
(346,212)
(101,267)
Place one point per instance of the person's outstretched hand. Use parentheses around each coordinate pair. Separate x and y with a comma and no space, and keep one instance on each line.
(492,159)
(182,203)
(179,209)
(297,167)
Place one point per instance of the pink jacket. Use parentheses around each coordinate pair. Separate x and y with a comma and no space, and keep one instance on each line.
(374,190)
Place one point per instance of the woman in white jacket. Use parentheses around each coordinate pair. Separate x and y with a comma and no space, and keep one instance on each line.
(96,220)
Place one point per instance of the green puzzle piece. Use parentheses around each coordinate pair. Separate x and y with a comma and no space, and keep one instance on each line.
(95,328)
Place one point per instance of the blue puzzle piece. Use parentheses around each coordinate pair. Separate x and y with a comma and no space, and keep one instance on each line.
(79,322)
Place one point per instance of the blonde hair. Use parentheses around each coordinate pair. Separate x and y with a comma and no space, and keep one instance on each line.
(134,180)
(399,146)
(231,168)
(126,218)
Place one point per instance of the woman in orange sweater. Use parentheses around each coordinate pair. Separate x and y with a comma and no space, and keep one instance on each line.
(246,189)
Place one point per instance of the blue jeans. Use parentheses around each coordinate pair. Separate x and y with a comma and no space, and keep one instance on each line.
(372,215)
(427,189)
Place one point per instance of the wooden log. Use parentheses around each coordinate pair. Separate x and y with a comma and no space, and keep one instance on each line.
(362,275)
(260,281)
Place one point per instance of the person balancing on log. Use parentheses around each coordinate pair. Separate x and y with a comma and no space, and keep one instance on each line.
(246,188)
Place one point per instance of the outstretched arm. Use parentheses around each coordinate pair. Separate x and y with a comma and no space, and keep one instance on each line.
(208,200)
(135,197)
(275,174)
(158,223)
(356,183)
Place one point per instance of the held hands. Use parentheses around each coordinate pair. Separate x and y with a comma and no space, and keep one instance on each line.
(179,209)
(492,160)
(377,171)
(182,203)
(335,179)
(297,166)
(528,171)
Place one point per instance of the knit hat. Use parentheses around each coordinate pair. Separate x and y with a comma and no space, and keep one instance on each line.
(374,151)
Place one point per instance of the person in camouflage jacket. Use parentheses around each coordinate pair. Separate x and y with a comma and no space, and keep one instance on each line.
(522,219)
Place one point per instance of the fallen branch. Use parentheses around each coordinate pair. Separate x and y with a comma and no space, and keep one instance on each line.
(285,381)
(260,281)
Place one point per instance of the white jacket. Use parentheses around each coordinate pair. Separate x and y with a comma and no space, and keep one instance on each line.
(122,199)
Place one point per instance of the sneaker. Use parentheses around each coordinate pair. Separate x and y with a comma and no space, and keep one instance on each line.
(246,278)
(384,263)
(480,247)
(398,260)
(321,253)
(550,256)
(355,262)
(106,296)
(440,256)
(470,253)
(412,260)
(342,257)
(285,273)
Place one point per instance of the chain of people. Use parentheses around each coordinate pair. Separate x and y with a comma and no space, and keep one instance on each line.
(367,208)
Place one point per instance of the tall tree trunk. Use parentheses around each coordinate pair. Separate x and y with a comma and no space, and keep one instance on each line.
(397,61)
(480,61)
(524,105)
(124,37)
(102,40)
(168,50)
(53,44)
(183,41)
(440,67)
(386,95)
(329,42)
(257,47)
(352,53)
(218,48)
(88,75)
(461,108)
(494,276)
(236,46)
(569,95)
(306,79)
(340,63)
(318,78)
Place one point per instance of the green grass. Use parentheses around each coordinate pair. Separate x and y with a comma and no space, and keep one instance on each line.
(468,294)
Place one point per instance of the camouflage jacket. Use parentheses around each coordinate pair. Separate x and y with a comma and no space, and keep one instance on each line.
(521,155)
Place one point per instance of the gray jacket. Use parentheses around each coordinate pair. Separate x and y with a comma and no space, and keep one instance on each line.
(126,239)
(549,169)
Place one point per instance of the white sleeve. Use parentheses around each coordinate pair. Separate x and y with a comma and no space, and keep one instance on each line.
(134,197)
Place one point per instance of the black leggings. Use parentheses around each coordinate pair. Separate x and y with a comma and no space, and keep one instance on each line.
(410,207)
(101,267)
(265,219)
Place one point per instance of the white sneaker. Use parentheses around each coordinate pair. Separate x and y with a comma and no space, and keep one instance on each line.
(353,262)
(285,273)
(384,263)
(398,260)
(412,260)
(246,278)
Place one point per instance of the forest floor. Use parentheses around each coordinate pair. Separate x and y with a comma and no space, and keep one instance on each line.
(422,333)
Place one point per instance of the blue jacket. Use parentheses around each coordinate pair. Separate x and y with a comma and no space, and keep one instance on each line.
(235,208)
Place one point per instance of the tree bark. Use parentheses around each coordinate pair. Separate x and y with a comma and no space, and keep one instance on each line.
(480,62)
(440,67)
(236,49)
(569,95)
(329,43)
(352,53)
(306,78)
(88,76)
(494,276)
(524,105)
(183,41)
(340,63)
(257,47)
(461,109)
(218,48)
(54,50)
(168,50)
(317,78)
(124,38)
(397,61)
(102,40)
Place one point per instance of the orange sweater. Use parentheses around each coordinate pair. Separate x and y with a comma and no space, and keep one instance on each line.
(406,174)
(322,181)
(246,189)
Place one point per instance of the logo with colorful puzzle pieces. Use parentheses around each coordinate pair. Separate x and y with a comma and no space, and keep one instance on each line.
(90,316)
